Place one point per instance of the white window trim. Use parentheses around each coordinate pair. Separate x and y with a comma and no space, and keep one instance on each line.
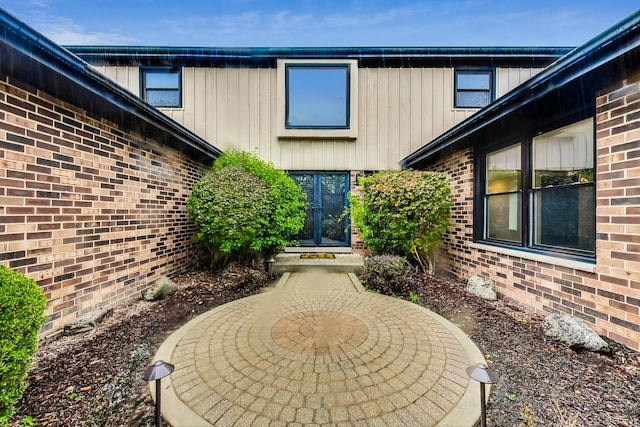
(350,133)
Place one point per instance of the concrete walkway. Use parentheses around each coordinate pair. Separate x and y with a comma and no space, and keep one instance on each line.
(319,349)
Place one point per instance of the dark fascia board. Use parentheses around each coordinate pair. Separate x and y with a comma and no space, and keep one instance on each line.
(367,57)
(618,42)
(32,59)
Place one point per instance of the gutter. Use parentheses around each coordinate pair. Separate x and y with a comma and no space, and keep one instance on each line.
(28,42)
(611,43)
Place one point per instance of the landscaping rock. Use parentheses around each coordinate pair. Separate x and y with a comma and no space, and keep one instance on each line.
(482,287)
(573,332)
(85,323)
(160,289)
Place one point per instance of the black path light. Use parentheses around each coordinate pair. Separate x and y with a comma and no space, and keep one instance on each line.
(270,263)
(158,370)
(481,373)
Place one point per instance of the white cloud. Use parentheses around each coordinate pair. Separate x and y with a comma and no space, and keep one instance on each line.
(65,31)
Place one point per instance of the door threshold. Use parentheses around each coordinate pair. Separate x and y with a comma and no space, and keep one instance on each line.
(318,249)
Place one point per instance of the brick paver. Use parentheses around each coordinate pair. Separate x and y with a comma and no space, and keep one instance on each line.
(319,350)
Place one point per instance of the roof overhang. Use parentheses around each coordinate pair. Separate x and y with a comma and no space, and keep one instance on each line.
(367,57)
(566,89)
(32,59)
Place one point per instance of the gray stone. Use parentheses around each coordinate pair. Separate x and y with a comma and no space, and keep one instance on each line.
(573,332)
(482,287)
(160,289)
(85,323)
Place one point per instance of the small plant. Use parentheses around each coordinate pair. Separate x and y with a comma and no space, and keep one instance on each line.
(22,304)
(415,298)
(526,415)
(386,274)
(76,397)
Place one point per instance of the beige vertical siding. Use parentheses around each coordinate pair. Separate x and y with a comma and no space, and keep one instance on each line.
(127,77)
(400,109)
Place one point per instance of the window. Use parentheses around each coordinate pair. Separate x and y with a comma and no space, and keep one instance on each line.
(317,96)
(473,88)
(317,99)
(539,193)
(161,87)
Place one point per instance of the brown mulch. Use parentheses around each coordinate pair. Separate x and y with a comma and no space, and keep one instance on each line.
(95,379)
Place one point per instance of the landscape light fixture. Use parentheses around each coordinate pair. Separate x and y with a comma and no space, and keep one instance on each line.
(158,370)
(481,373)
(270,263)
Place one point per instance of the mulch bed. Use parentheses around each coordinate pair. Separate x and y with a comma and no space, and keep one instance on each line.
(95,379)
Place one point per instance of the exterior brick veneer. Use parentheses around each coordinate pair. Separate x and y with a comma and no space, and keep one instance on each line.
(92,213)
(608,297)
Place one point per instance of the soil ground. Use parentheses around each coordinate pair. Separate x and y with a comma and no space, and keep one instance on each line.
(95,379)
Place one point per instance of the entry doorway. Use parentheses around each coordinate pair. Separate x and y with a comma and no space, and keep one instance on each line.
(325,223)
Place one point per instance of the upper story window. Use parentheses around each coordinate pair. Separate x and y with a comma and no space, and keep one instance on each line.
(317,99)
(161,87)
(539,193)
(317,96)
(473,88)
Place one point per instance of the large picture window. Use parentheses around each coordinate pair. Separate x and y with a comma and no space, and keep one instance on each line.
(317,96)
(540,193)
(317,99)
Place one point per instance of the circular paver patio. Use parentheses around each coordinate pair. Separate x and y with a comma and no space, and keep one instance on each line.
(319,350)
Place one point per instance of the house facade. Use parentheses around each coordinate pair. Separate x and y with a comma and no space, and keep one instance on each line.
(546,182)
(93,181)
(325,115)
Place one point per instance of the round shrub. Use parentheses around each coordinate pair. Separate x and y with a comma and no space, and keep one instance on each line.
(402,212)
(229,207)
(288,201)
(22,304)
(388,274)
(245,204)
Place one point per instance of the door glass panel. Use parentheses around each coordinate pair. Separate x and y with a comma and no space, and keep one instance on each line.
(333,189)
(305,181)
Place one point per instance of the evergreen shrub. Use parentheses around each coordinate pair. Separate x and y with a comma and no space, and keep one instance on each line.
(22,304)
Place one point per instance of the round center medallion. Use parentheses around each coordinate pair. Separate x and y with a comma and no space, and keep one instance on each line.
(319,333)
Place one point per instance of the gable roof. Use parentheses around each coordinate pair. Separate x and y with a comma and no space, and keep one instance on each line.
(566,88)
(32,59)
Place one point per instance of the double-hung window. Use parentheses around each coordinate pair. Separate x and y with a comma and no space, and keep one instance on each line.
(539,193)
(317,99)
(473,88)
(161,87)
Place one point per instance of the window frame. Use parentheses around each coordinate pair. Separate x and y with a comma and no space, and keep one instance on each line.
(160,70)
(350,131)
(469,70)
(528,191)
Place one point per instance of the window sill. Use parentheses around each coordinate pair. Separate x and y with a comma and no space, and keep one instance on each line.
(548,259)
(318,133)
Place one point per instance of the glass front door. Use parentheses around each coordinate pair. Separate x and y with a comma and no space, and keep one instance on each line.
(325,224)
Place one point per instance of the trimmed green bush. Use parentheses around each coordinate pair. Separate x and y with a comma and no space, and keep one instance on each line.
(228,206)
(388,274)
(22,304)
(253,222)
(402,212)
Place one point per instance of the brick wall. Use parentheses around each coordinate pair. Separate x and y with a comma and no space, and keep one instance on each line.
(92,213)
(608,296)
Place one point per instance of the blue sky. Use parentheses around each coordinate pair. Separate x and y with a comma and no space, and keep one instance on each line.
(256,23)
